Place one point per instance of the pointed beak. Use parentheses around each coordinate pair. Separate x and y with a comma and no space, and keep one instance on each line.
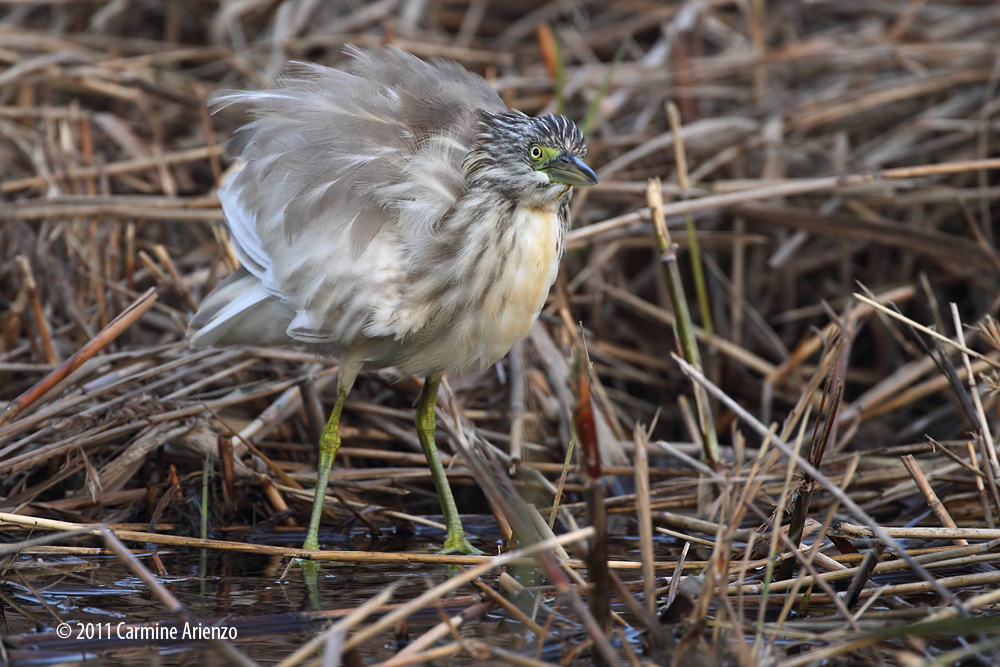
(569,169)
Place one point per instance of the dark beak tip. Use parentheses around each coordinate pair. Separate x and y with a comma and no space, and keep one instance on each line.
(580,168)
(588,176)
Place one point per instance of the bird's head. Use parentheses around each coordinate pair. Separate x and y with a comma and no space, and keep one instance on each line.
(535,160)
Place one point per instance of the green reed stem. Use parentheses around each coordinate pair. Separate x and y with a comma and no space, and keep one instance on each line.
(682,324)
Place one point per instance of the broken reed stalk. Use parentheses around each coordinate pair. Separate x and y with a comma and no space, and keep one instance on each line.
(683,325)
(644,515)
(41,324)
(561,485)
(933,502)
(804,490)
(594,491)
(124,320)
(863,575)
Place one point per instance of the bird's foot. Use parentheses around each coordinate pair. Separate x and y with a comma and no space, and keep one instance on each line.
(457,543)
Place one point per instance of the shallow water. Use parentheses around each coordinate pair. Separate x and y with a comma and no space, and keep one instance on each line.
(266,601)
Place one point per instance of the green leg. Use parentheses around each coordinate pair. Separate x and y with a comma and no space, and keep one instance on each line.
(329,443)
(455,542)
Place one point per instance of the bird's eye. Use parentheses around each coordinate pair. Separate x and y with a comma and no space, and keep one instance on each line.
(535,153)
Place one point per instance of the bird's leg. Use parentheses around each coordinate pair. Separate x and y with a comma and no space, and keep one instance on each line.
(329,443)
(455,542)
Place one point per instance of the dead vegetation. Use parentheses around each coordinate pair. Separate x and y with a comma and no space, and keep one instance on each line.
(782,284)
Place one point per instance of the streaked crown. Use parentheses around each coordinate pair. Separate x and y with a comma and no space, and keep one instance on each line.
(516,155)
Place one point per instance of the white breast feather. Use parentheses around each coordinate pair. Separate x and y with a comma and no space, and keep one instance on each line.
(527,247)
(514,301)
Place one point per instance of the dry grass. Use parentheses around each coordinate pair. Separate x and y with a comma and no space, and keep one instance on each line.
(830,174)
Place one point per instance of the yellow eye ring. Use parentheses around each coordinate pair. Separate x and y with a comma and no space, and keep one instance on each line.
(535,153)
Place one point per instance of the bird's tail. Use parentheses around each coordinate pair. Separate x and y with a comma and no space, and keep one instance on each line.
(239,311)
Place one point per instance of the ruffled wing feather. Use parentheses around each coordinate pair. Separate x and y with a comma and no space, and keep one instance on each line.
(333,160)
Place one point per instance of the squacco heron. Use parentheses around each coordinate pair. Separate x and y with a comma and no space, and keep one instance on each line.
(396,215)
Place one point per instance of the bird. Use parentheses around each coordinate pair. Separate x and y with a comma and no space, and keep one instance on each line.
(394,215)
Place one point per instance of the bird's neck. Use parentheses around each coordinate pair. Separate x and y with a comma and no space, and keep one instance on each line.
(514,252)
(475,285)
(486,239)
